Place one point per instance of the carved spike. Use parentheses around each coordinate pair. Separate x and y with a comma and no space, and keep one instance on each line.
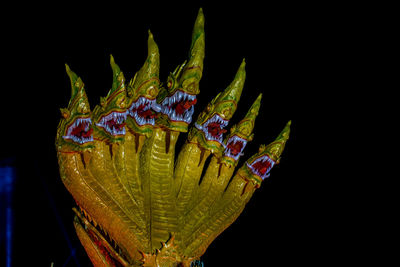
(275,149)
(193,70)
(233,92)
(117,94)
(79,102)
(147,73)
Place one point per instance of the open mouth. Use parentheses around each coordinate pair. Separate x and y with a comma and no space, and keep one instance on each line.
(110,250)
(144,111)
(113,123)
(234,147)
(261,166)
(179,106)
(214,128)
(80,131)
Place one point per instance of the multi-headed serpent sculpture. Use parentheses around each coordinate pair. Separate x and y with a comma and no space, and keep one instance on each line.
(138,206)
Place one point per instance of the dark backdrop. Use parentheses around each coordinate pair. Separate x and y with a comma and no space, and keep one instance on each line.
(291,51)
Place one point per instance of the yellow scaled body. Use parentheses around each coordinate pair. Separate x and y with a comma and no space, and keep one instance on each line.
(137,206)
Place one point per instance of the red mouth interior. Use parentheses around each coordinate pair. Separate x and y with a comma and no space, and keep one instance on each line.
(147,114)
(113,124)
(214,128)
(235,147)
(79,131)
(110,260)
(262,166)
(182,106)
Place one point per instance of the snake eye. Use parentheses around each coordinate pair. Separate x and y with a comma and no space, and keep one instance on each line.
(152,91)
(226,112)
(169,83)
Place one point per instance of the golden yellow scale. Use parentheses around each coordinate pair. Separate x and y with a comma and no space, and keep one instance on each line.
(136,205)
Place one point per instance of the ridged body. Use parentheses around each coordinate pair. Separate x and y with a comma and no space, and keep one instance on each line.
(137,206)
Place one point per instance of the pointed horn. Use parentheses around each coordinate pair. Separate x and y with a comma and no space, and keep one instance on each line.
(78,98)
(193,70)
(245,127)
(233,92)
(275,149)
(118,76)
(74,81)
(117,92)
(196,53)
(149,71)
(152,64)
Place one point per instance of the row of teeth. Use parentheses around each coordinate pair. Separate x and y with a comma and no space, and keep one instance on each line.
(147,105)
(178,96)
(170,112)
(233,140)
(144,101)
(216,118)
(80,140)
(100,228)
(119,117)
(186,116)
(263,159)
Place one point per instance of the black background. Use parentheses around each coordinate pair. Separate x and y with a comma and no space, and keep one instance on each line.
(293,53)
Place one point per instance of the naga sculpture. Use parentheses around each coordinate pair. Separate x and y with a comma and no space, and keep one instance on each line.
(137,204)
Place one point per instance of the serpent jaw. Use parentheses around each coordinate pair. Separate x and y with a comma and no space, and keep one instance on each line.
(213,128)
(179,107)
(143,111)
(234,147)
(80,130)
(107,249)
(113,123)
(261,166)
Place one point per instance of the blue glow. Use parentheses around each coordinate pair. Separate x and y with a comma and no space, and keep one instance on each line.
(7,179)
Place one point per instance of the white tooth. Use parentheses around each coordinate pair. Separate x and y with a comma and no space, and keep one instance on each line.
(156,107)
(187,115)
